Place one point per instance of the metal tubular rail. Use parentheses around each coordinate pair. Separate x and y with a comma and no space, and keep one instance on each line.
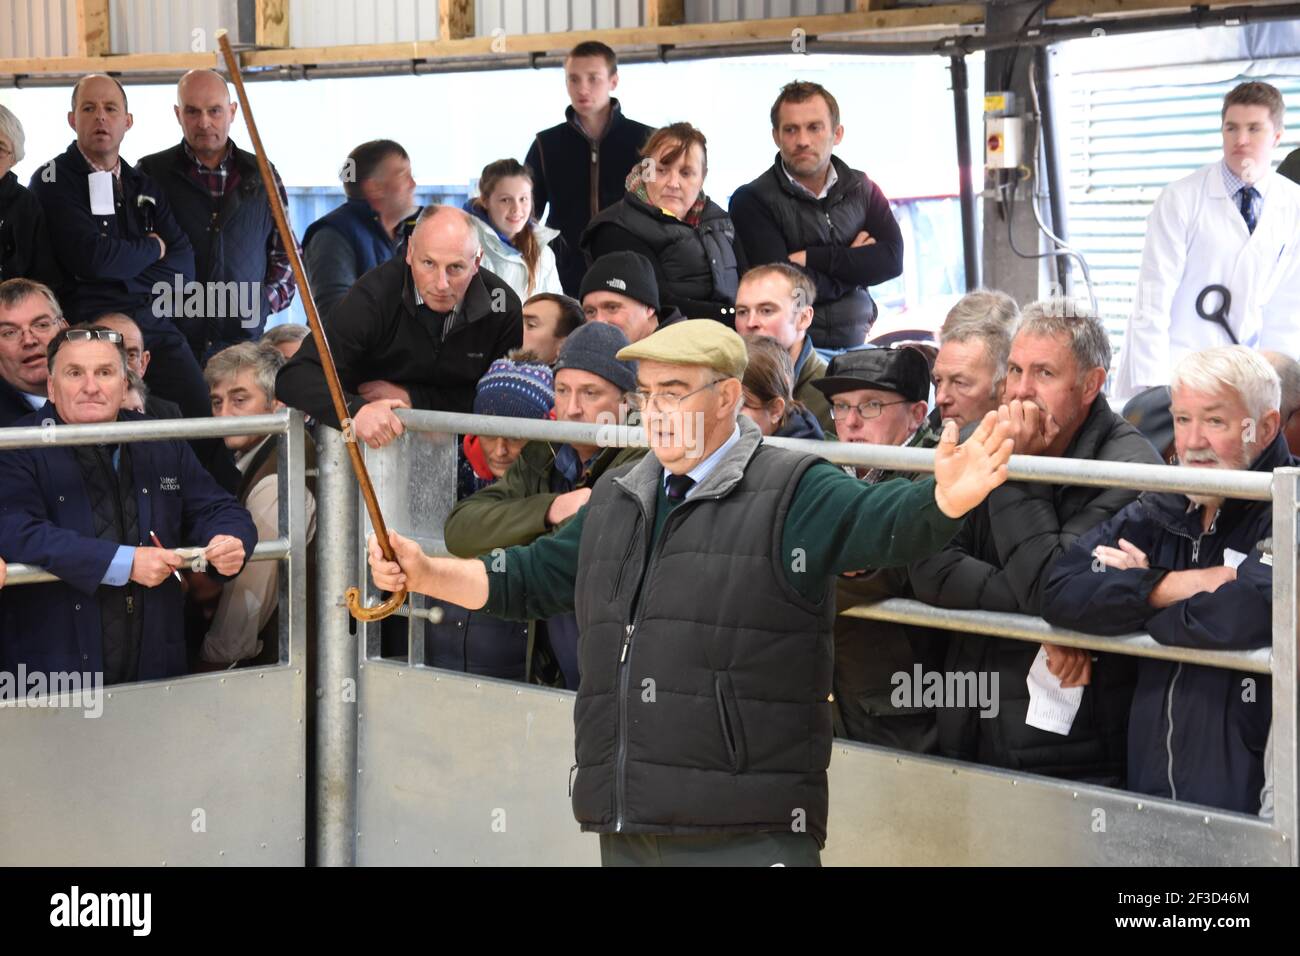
(274,550)
(39,436)
(1282,487)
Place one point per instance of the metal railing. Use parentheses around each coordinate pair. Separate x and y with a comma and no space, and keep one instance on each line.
(1281,486)
(291,540)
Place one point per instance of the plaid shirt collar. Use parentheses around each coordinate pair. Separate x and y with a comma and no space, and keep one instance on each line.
(1234,183)
(116,170)
(214,180)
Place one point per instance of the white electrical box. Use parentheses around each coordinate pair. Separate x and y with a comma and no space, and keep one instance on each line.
(1004,138)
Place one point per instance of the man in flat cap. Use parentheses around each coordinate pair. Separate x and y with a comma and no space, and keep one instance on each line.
(703,596)
(878,397)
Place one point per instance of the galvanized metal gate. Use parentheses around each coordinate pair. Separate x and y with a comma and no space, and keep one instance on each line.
(201,770)
(457,770)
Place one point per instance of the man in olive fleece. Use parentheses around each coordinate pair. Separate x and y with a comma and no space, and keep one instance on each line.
(549,483)
(705,596)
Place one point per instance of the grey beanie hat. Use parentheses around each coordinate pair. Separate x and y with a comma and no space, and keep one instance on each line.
(591,348)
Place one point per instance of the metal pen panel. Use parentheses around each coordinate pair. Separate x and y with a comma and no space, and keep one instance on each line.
(463,771)
(1285,625)
(204,770)
(336,689)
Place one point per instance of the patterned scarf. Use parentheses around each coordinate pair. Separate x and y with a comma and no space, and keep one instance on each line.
(635,184)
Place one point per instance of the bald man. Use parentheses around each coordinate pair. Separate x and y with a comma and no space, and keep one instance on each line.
(114,234)
(417,332)
(217,195)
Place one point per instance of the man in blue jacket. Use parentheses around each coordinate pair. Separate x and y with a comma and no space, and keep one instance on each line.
(114,235)
(1194,571)
(94,516)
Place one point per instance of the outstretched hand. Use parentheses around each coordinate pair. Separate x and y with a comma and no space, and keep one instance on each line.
(965,474)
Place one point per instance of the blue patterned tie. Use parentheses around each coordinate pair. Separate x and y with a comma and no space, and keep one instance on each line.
(1248,196)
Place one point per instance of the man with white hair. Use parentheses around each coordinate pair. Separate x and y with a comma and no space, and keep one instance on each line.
(1193,571)
(25,249)
(412,333)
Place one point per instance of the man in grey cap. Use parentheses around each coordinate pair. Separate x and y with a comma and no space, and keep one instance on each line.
(620,288)
(548,483)
(878,397)
(703,594)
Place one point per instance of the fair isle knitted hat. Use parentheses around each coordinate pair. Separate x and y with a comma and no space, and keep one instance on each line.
(515,390)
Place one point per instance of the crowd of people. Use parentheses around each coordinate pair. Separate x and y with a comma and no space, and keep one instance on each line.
(687,592)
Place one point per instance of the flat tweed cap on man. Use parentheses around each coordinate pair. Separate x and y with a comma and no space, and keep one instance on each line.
(705,342)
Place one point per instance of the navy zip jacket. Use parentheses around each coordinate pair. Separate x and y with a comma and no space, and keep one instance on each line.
(46,520)
(1195,733)
(112,263)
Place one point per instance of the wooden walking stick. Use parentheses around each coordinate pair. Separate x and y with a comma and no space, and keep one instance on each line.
(397,598)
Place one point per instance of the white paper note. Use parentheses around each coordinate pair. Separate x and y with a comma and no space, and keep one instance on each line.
(1232,558)
(101,194)
(1051,706)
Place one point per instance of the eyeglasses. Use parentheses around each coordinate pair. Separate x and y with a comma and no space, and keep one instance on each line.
(664,401)
(865,410)
(39,328)
(6,151)
(87,335)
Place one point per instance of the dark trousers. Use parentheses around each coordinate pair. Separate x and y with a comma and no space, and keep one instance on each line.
(778,848)
(174,374)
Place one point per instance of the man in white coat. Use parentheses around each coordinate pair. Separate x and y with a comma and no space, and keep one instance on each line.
(1234,224)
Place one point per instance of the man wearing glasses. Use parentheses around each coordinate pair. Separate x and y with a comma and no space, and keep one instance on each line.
(29,317)
(878,397)
(98,517)
(703,595)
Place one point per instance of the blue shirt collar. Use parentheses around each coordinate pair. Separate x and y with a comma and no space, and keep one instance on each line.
(702,471)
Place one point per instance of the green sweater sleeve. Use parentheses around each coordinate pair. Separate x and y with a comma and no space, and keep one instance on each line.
(504,514)
(535,581)
(837,523)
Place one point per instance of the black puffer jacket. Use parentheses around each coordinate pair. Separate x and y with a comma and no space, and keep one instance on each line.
(775,218)
(1000,561)
(698,267)
(24,241)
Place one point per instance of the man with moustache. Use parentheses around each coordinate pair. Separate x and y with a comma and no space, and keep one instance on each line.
(1193,571)
(1001,558)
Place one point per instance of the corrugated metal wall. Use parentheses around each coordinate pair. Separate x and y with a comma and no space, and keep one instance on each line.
(170,26)
(341,22)
(711,11)
(1126,143)
(554,16)
(38,28)
(46,28)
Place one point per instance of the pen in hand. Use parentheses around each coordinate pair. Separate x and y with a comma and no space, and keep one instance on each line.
(176,574)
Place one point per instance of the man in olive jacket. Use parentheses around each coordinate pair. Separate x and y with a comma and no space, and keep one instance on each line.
(702,577)
(548,483)
(1001,559)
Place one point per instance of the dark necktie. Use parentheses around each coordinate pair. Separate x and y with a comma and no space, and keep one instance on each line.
(1248,194)
(678,485)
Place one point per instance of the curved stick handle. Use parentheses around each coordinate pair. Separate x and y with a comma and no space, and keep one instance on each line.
(377,613)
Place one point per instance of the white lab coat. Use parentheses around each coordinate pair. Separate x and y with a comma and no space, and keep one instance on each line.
(1196,237)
